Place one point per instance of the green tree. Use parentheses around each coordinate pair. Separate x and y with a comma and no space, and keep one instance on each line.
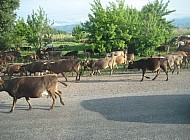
(20,32)
(119,26)
(7,18)
(39,28)
(111,28)
(154,28)
(78,33)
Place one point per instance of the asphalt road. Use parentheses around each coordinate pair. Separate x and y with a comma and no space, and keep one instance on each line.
(148,115)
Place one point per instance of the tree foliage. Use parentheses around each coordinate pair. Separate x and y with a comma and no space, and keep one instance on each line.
(118,26)
(20,32)
(7,18)
(39,28)
(78,33)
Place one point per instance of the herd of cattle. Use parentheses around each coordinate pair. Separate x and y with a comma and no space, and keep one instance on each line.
(31,86)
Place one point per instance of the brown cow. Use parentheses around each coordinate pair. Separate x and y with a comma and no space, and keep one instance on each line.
(101,63)
(10,69)
(62,66)
(31,87)
(30,57)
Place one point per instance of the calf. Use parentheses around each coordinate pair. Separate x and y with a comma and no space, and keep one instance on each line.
(63,66)
(31,87)
(152,64)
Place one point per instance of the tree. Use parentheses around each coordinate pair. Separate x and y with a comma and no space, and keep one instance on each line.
(78,33)
(155,29)
(39,28)
(20,32)
(7,18)
(119,26)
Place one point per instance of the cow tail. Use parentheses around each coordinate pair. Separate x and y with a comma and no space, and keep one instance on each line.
(63,83)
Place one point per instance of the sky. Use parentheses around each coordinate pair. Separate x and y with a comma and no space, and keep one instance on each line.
(76,11)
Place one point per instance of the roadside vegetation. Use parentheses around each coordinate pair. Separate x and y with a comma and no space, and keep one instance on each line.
(115,27)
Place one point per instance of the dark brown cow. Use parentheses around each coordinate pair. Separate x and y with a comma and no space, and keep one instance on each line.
(72,53)
(63,66)
(31,87)
(152,64)
(163,48)
(33,67)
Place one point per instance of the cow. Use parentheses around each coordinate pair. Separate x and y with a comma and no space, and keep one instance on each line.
(26,48)
(44,56)
(31,87)
(72,53)
(117,53)
(3,62)
(30,57)
(9,57)
(10,69)
(62,66)
(102,63)
(174,60)
(130,57)
(152,64)
(163,48)
(33,67)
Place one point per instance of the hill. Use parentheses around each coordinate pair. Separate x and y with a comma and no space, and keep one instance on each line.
(66,28)
(182,22)
(179,22)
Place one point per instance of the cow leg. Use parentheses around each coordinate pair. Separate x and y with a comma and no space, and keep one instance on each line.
(78,74)
(64,76)
(143,75)
(178,68)
(111,71)
(59,94)
(98,72)
(157,73)
(53,96)
(166,71)
(28,101)
(13,105)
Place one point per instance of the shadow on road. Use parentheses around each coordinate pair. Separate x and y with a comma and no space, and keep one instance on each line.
(164,109)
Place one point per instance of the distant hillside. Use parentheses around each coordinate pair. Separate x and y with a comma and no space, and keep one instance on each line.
(66,28)
(179,22)
(182,22)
